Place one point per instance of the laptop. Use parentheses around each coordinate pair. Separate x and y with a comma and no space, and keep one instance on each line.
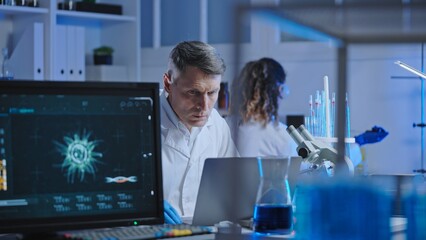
(228,189)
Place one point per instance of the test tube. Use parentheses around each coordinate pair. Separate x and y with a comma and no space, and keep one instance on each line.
(311,117)
(307,122)
(327,131)
(348,125)
(318,114)
(333,113)
(323,114)
(348,118)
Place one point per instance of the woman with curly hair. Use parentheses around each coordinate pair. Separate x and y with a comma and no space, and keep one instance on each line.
(255,99)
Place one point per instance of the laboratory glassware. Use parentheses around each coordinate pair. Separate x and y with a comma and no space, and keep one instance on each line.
(5,73)
(273,211)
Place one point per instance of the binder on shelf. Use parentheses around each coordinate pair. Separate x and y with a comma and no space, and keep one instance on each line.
(60,62)
(27,57)
(70,53)
(79,57)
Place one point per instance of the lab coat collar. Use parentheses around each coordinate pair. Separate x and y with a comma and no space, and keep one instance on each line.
(171,115)
(201,143)
(204,139)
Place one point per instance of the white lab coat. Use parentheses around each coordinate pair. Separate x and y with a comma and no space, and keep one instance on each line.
(182,168)
(253,139)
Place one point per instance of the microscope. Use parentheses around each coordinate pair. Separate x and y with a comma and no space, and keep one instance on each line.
(317,153)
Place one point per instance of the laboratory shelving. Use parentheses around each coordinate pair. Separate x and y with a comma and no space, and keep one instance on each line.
(94,16)
(121,32)
(14,10)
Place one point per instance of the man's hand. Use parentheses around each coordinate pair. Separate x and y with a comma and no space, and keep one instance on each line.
(171,216)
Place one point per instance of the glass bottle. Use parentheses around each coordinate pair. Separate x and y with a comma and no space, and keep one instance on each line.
(273,212)
(5,71)
(223,100)
(67,5)
(21,3)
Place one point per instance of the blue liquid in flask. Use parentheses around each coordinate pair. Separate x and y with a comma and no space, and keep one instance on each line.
(273,218)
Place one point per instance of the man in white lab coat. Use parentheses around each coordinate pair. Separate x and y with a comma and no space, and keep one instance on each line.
(191,129)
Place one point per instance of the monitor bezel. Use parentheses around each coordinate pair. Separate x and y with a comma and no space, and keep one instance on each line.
(53,224)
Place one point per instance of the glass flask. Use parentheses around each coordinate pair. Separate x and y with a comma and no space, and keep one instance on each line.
(273,211)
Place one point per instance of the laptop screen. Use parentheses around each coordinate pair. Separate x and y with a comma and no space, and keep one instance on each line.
(228,188)
(79,155)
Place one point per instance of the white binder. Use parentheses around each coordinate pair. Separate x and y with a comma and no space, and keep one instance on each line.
(27,58)
(60,63)
(79,57)
(70,53)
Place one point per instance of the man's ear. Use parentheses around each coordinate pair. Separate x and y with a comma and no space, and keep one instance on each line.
(167,81)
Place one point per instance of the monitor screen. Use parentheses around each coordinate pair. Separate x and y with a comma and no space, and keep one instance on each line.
(79,155)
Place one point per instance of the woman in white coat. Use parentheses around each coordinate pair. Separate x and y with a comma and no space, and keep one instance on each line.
(254,122)
(255,99)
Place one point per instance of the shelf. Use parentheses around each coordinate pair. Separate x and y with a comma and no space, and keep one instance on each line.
(76,15)
(334,139)
(18,10)
(65,30)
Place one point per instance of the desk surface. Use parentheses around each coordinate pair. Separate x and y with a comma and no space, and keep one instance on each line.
(398,226)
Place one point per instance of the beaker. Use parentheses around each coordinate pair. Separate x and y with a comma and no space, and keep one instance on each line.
(273,211)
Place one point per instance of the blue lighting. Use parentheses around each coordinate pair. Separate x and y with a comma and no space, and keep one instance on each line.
(299,30)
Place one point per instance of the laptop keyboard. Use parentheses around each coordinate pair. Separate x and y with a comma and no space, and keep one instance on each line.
(139,232)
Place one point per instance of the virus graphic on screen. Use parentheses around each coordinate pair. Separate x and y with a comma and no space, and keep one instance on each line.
(79,155)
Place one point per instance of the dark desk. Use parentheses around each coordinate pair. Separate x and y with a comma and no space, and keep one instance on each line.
(398,226)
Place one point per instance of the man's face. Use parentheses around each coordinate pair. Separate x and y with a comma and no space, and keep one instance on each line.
(192,95)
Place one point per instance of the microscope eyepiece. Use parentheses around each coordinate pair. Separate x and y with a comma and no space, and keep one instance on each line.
(303,152)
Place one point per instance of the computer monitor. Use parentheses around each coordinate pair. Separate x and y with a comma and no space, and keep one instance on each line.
(79,155)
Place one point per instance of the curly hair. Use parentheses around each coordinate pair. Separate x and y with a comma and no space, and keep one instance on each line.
(257,90)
